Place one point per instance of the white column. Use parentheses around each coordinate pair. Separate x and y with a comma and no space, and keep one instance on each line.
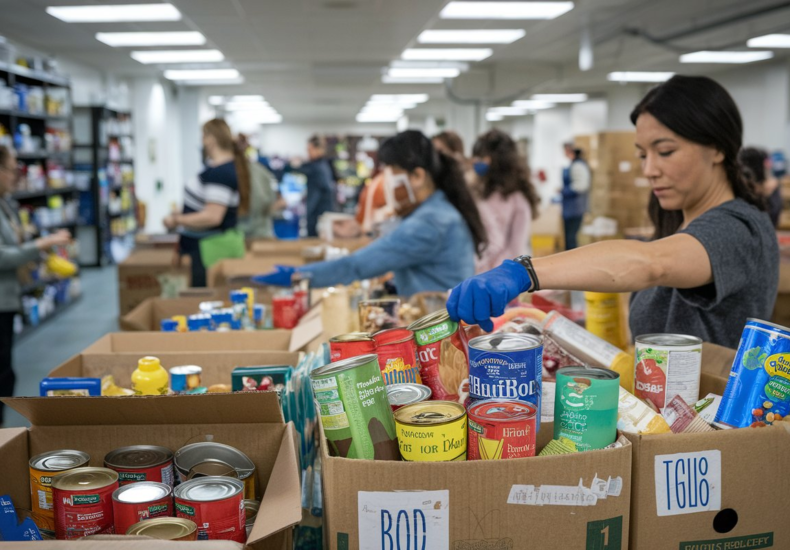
(465,121)
(621,100)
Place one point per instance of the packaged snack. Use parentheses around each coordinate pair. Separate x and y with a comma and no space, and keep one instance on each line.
(635,417)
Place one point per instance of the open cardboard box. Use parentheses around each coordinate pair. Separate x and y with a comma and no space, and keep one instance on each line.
(251,422)
(237,272)
(128,543)
(139,276)
(275,247)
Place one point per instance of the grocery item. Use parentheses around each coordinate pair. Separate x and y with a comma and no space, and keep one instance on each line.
(397,355)
(349,345)
(17,527)
(140,501)
(400,395)
(758,389)
(285,311)
(186,458)
(432,431)
(212,467)
(634,416)
(500,429)
(707,407)
(561,446)
(266,378)
(667,365)
(441,351)
(185,378)
(223,321)
(150,378)
(300,282)
(50,387)
(683,419)
(211,306)
(251,508)
(216,505)
(83,502)
(182,322)
(506,366)
(141,463)
(376,315)
(168,325)
(241,313)
(351,398)
(259,316)
(604,318)
(110,389)
(42,469)
(585,408)
(175,529)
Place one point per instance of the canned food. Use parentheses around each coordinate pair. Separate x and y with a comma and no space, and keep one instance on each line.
(433,431)
(400,395)
(134,503)
(189,456)
(285,311)
(350,345)
(185,378)
(441,350)
(758,389)
(83,502)
(176,529)
(251,508)
(352,400)
(667,365)
(586,402)
(506,366)
(216,505)
(141,463)
(397,355)
(376,315)
(42,468)
(212,468)
(500,429)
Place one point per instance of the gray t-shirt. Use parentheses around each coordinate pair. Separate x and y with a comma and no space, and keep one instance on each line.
(744,255)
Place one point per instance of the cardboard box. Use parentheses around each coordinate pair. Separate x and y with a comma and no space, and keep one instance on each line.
(130,543)
(477,504)
(147,343)
(251,422)
(274,247)
(140,276)
(236,273)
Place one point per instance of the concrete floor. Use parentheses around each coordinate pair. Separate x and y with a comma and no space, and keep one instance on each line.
(68,334)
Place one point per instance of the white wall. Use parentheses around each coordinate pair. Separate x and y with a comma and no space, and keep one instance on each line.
(552,128)
(621,100)
(589,117)
(291,139)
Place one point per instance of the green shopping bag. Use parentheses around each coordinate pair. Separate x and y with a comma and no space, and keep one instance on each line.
(223,246)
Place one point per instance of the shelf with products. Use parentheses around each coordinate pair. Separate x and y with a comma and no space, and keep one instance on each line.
(25,195)
(26,329)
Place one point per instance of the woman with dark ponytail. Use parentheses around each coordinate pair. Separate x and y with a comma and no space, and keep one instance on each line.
(435,245)
(714,258)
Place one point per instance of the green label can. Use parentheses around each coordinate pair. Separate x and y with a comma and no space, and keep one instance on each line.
(351,398)
(585,406)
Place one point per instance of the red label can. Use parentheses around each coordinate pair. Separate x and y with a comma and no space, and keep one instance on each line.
(351,345)
(500,429)
(443,356)
(139,501)
(285,311)
(397,355)
(216,505)
(141,463)
(83,502)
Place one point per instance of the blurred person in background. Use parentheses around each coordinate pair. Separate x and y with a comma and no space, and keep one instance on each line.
(214,200)
(435,244)
(757,167)
(451,144)
(257,223)
(576,180)
(505,197)
(14,253)
(320,182)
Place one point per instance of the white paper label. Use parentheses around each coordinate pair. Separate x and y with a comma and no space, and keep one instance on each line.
(547,401)
(399,520)
(566,495)
(688,483)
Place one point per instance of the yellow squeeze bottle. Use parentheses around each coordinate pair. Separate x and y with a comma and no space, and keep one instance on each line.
(150,378)
(182,322)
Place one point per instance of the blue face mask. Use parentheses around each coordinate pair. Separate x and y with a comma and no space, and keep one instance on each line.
(481,168)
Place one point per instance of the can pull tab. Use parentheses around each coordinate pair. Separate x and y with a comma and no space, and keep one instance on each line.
(199,439)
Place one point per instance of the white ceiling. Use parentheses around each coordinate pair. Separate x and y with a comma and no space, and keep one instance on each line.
(322,59)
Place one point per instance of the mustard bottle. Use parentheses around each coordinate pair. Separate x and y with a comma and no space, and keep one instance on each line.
(150,378)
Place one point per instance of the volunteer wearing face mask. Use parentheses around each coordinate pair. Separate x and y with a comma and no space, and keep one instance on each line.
(434,246)
(714,260)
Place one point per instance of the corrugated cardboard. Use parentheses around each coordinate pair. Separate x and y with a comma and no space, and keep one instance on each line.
(121,543)
(251,422)
(138,276)
(237,272)
(148,315)
(274,247)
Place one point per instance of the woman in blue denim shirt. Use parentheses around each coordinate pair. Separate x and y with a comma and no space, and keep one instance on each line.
(434,246)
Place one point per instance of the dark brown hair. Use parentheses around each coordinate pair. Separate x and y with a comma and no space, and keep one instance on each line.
(220,130)
(317,141)
(452,142)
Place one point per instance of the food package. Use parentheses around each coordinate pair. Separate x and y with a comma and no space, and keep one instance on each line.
(561,446)
(707,407)
(683,419)
(635,417)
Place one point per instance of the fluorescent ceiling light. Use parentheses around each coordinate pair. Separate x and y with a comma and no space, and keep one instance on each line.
(770,41)
(262,118)
(216,100)
(423,73)
(482,36)
(389,105)
(242,98)
(447,54)
(377,118)
(494,117)
(508,111)
(560,98)
(136,39)
(115,13)
(212,82)
(381,110)
(247,106)
(505,10)
(639,76)
(387,79)
(201,74)
(404,64)
(177,56)
(406,98)
(725,57)
(533,104)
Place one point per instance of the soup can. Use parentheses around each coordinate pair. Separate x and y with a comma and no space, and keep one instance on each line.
(175,529)
(397,355)
(433,431)
(585,406)
(351,399)
(141,463)
(667,365)
(350,345)
(441,351)
(216,505)
(42,468)
(758,389)
(500,429)
(251,508)
(506,366)
(185,378)
(136,502)
(400,395)
(188,457)
(83,502)
(285,311)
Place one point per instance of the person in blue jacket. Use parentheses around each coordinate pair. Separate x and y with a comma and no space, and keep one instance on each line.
(320,183)
(434,246)
(575,194)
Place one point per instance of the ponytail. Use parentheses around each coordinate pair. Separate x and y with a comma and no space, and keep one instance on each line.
(243,178)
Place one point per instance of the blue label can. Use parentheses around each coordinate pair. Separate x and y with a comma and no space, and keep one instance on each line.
(758,390)
(506,366)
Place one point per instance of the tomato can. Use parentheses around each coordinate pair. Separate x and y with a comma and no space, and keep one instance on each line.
(397,355)
(500,429)
(432,431)
(136,502)
(191,456)
(83,502)
(442,353)
(285,311)
(400,395)
(251,508)
(42,468)
(350,345)
(667,365)
(585,406)
(141,463)
(175,529)
(216,505)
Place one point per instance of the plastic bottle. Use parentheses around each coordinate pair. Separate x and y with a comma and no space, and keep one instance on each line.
(240,313)
(182,322)
(169,325)
(150,378)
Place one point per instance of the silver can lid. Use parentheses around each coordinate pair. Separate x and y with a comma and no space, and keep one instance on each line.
(508,341)
(209,489)
(406,394)
(140,492)
(344,365)
(138,456)
(668,340)
(57,461)
(186,370)
(187,457)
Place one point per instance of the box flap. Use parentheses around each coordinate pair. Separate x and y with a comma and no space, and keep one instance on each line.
(225,408)
(717,360)
(140,543)
(140,318)
(151,343)
(309,329)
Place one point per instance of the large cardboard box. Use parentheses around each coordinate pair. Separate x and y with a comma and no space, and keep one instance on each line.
(147,343)
(148,315)
(129,543)
(251,422)
(237,272)
(274,247)
(141,275)
(522,503)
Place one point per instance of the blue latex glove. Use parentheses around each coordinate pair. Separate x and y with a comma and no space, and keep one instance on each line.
(281,276)
(483,296)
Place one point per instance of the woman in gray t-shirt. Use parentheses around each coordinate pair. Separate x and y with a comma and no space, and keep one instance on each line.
(714,260)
